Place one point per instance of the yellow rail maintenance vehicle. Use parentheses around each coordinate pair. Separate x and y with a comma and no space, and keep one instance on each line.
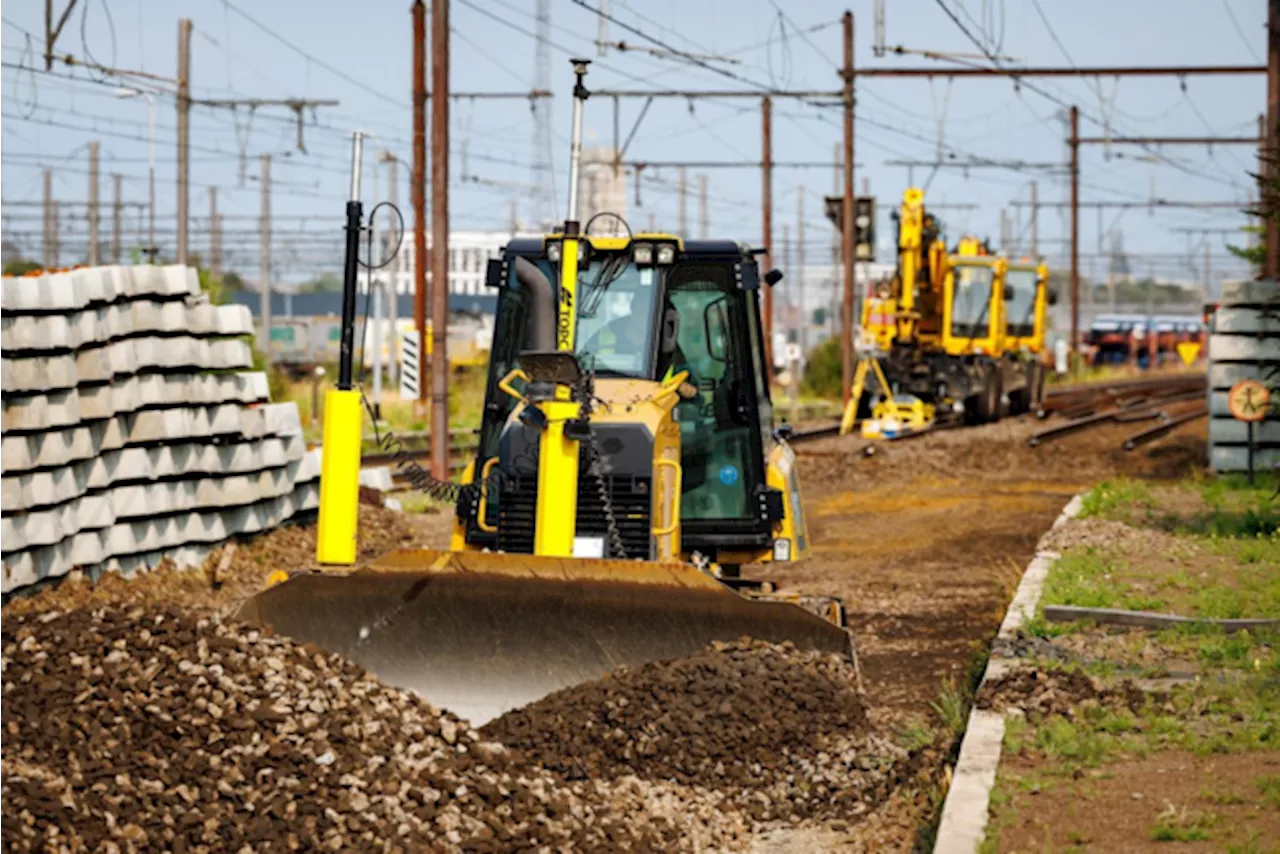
(958,331)
(627,466)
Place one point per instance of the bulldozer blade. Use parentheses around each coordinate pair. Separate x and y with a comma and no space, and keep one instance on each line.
(481,633)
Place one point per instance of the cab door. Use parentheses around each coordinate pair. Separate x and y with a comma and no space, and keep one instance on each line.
(723,429)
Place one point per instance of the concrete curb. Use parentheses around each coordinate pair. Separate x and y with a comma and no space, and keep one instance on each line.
(964,815)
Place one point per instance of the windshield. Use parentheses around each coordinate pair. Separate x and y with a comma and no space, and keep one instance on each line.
(971,307)
(616,303)
(1022,304)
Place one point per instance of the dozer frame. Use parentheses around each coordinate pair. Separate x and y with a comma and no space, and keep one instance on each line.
(574,551)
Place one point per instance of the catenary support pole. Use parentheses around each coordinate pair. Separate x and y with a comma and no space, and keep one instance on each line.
(1074,144)
(847,327)
(47,257)
(116,210)
(682,191)
(184,133)
(215,237)
(393,267)
(766,213)
(802,314)
(703,220)
(95,254)
(440,239)
(264,261)
(419,193)
(1035,222)
(1271,216)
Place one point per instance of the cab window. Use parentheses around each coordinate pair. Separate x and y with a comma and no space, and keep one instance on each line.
(616,307)
(971,300)
(1021,307)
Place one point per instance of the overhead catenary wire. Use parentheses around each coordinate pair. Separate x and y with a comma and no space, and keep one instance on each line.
(898,130)
(1022,81)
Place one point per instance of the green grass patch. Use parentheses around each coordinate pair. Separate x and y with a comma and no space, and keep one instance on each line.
(1212,716)
(1116,499)
(1093,578)
(1213,578)
(1269,788)
(1216,506)
(1222,799)
(1166,830)
(1255,650)
(951,707)
(914,735)
(466,404)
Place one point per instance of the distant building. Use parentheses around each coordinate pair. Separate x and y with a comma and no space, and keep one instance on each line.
(469,253)
(601,189)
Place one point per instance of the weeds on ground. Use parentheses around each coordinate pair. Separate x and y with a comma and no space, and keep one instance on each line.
(1269,788)
(1206,717)
(1116,499)
(951,707)
(466,402)
(914,735)
(1223,506)
(1252,845)
(1181,826)
(1088,578)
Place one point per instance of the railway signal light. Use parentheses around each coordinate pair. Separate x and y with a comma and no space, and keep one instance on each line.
(864,223)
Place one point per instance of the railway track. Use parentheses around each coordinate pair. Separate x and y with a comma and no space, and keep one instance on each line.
(1172,401)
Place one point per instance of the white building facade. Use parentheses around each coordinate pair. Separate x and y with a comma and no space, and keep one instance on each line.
(469,254)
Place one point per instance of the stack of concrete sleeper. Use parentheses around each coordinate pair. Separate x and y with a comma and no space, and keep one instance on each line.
(131,431)
(1244,343)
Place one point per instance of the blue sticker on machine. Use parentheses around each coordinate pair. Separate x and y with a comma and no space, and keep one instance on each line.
(728,475)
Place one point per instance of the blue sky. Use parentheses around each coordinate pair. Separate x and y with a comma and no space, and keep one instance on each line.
(48,119)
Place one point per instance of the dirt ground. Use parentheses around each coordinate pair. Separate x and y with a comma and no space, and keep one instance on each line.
(925,541)
(1170,799)
(1129,739)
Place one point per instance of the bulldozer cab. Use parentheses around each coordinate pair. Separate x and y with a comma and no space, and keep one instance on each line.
(688,306)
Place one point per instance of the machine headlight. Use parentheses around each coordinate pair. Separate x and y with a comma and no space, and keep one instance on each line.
(642,253)
(666,253)
(553,252)
(782,550)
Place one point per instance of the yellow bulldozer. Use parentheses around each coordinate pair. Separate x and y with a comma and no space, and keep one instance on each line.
(627,467)
(955,333)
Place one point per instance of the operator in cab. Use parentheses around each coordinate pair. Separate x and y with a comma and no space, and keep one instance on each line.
(617,331)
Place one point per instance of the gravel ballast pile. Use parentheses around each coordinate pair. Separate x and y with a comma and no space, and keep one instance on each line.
(782,733)
(133,730)
(230,575)
(1041,693)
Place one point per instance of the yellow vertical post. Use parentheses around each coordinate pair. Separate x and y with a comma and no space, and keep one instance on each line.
(339,478)
(555,525)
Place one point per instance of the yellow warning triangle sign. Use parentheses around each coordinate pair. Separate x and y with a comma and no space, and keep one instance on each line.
(1188,351)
